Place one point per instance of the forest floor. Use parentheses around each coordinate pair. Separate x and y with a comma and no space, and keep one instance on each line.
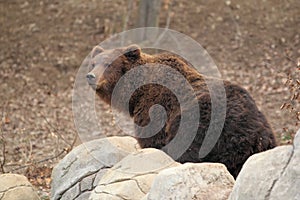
(255,44)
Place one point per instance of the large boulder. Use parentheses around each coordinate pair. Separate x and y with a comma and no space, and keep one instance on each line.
(198,181)
(288,184)
(16,187)
(274,174)
(132,177)
(77,174)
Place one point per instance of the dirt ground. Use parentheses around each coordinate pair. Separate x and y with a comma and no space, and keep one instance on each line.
(42,44)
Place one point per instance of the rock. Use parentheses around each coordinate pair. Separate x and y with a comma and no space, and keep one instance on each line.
(274,174)
(259,172)
(79,172)
(197,181)
(132,177)
(16,187)
(287,186)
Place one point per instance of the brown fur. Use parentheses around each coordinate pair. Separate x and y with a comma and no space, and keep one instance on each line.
(245,132)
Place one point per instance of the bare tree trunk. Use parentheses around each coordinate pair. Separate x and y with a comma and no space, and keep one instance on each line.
(148,14)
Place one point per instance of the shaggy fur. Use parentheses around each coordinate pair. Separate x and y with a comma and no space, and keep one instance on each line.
(245,132)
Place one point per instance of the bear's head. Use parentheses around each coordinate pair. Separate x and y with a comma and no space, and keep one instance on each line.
(106,67)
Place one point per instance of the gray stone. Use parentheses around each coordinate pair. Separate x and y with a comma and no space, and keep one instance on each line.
(99,176)
(288,185)
(272,175)
(132,177)
(84,196)
(85,184)
(259,173)
(199,181)
(72,193)
(16,187)
(76,173)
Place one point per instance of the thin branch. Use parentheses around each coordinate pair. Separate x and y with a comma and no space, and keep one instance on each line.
(30,150)
(40,161)
(2,140)
(290,59)
(55,130)
(3,161)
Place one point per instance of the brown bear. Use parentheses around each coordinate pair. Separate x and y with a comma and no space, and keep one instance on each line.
(245,130)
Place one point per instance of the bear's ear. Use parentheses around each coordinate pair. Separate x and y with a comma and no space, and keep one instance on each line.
(133,52)
(96,50)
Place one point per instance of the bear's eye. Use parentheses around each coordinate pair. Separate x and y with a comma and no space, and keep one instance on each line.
(92,65)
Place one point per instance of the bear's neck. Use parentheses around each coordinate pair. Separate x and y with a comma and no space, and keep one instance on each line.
(149,91)
(172,61)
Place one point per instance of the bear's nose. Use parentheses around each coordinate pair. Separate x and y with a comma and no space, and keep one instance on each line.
(91,78)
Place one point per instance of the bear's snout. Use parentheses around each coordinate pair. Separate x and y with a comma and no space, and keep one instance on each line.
(91,79)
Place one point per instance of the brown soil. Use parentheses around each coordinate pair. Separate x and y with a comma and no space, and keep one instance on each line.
(42,44)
